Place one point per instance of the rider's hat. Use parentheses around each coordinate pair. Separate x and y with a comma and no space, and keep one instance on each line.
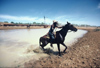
(54,21)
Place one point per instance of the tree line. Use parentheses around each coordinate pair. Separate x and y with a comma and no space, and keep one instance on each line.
(84,25)
(42,23)
(34,23)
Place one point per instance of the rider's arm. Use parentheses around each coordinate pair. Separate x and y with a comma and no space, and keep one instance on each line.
(60,27)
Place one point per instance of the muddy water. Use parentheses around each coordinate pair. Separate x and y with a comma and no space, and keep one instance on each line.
(16,46)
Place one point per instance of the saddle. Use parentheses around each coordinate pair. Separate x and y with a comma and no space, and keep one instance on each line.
(47,35)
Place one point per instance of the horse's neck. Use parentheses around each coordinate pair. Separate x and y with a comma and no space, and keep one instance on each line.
(64,32)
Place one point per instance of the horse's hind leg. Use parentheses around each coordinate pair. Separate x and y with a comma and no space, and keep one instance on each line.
(64,46)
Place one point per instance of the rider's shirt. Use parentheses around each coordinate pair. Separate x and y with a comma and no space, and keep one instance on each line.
(55,24)
(51,29)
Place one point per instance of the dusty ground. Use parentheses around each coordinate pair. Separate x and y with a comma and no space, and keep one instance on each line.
(84,53)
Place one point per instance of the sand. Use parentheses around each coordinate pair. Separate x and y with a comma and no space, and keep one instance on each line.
(83,54)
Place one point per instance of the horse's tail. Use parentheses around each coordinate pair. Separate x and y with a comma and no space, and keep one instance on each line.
(40,42)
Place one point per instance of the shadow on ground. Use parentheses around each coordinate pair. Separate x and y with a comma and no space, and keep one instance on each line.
(47,51)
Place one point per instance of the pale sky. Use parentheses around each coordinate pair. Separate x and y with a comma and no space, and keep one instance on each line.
(29,11)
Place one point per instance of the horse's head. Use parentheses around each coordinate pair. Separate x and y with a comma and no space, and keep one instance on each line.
(70,27)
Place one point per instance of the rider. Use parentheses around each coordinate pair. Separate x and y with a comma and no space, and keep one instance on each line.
(53,26)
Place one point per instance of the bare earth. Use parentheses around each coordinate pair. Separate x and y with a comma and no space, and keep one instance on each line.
(84,53)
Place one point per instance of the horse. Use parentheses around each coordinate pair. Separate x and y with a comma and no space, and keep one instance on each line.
(60,37)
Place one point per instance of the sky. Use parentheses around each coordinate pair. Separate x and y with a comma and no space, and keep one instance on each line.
(29,11)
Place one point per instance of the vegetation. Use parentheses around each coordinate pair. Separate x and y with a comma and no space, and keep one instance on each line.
(12,22)
(42,23)
(5,21)
(34,23)
(84,25)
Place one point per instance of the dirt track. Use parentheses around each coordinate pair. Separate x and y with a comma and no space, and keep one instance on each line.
(84,53)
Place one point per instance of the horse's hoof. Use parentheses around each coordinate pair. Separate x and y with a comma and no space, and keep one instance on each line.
(60,55)
(64,52)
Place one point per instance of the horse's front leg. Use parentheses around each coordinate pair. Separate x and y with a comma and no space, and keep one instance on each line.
(64,46)
(59,48)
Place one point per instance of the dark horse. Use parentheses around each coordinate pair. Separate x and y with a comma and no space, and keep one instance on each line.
(60,37)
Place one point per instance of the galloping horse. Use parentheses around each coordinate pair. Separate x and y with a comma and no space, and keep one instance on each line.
(60,37)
